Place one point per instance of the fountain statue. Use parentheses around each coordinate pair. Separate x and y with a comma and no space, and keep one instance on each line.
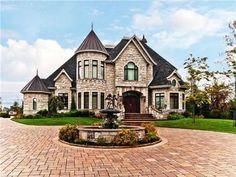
(110,111)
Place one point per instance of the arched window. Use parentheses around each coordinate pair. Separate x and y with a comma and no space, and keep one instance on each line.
(131,72)
(34,104)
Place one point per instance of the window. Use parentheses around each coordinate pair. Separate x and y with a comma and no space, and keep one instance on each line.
(102,71)
(34,104)
(79,100)
(95,69)
(102,100)
(159,101)
(173,82)
(174,101)
(183,101)
(86,69)
(131,71)
(86,100)
(64,98)
(79,70)
(94,100)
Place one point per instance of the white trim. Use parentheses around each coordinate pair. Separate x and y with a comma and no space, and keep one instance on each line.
(174,72)
(63,71)
(91,50)
(160,86)
(131,39)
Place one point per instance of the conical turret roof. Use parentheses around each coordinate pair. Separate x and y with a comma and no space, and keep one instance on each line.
(36,85)
(91,43)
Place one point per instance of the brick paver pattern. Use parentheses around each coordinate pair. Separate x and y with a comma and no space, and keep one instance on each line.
(34,151)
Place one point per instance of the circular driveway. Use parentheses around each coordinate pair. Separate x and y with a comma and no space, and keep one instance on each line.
(33,151)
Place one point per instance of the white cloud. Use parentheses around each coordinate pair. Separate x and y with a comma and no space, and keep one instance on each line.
(181,27)
(19,59)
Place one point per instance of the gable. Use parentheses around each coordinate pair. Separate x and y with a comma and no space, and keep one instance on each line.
(137,45)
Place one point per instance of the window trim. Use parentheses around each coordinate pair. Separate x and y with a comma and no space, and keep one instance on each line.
(127,70)
(102,70)
(94,66)
(79,70)
(175,106)
(160,95)
(86,66)
(34,104)
(65,103)
(95,105)
(86,105)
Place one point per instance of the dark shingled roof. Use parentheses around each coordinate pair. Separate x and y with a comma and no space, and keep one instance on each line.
(69,66)
(160,71)
(91,43)
(35,85)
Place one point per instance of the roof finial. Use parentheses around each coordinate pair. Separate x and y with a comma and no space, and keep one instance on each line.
(92,26)
(37,72)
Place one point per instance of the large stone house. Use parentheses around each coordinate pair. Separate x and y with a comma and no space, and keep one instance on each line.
(141,79)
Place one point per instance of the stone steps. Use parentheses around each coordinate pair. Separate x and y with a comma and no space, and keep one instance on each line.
(137,119)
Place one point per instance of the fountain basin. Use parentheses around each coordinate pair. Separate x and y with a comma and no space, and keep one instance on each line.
(93,133)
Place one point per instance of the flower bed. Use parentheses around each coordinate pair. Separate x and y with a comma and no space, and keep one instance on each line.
(95,136)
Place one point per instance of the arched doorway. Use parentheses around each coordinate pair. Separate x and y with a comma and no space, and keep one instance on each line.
(131,101)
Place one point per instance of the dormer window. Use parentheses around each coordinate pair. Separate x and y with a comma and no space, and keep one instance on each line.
(131,72)
(174,82)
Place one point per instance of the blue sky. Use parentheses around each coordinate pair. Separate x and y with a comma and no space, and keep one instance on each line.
(44,35)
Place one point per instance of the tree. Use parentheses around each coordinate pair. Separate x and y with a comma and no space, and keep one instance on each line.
(219,95)
(16,107)
(55,104)
(73,105)
(198,70)
(231,52)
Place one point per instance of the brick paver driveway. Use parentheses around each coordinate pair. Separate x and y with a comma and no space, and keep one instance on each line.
(33,151)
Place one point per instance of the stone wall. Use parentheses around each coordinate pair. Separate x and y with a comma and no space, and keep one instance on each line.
(42,102)
(145,70)
(63,85)
(90,84)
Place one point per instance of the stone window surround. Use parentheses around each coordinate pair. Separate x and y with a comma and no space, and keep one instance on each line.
(126,63)
(90,68)
(136,68)
(167,98)
(90,99)
(34,104)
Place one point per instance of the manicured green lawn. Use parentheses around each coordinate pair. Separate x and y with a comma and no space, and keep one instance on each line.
(59,121)
(218,125)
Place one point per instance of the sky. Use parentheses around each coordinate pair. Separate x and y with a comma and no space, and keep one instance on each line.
(44,34)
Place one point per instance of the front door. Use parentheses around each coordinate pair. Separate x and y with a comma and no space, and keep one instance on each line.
(132,102)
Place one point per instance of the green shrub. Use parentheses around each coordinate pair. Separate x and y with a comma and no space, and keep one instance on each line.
(225,115)
(175,116)
(187,114)
(126,138)
(215,113)
(43,113)
(150,133)
(4,115)
(101,141)
(150,137)
(199,116)
(69,133)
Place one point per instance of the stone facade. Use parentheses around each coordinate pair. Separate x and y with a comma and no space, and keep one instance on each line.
(41,101)
(63,85)
(113,81)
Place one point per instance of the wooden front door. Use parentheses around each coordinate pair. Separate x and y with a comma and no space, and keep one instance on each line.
(132,103)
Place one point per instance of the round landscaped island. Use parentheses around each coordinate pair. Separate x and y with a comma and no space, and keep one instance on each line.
(109,133)
(96,133)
